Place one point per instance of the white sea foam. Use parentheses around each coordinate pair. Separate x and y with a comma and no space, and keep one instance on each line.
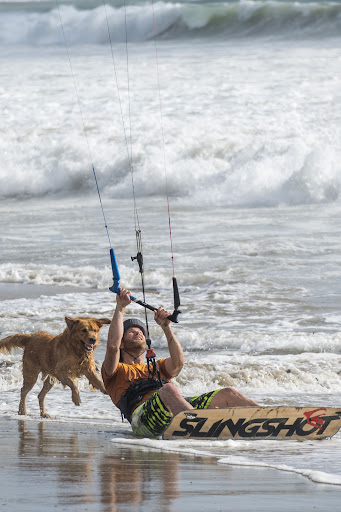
(316,374)
(264,146)
(211,449)
(86,277)
(315,476)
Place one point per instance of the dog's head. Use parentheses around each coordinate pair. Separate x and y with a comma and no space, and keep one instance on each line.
(84,331)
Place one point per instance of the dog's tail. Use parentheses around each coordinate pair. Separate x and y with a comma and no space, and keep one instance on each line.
(14,341)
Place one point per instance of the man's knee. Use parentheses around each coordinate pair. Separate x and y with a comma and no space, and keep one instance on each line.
(231,393)
(230,397)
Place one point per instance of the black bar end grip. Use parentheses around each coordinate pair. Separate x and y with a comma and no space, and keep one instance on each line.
(174,316)
(176,294)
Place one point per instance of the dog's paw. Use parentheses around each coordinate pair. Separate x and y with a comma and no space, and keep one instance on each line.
(76,400)
(44,415)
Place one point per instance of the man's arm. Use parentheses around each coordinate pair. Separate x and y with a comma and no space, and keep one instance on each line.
(176,361)
(115,334)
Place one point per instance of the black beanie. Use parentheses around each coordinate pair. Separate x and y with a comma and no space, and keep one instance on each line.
(134,322)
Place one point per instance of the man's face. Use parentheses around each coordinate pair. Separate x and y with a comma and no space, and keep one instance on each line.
(133,339)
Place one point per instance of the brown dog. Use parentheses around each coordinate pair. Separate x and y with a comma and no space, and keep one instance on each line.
(65,357)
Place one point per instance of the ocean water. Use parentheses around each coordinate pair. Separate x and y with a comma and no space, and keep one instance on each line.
(236,113)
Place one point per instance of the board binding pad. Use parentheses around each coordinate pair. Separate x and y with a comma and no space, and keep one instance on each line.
(255,423)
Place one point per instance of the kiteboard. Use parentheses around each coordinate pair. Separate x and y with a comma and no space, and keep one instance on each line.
(256,423)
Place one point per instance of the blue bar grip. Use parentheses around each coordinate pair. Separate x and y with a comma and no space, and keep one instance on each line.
(115,288)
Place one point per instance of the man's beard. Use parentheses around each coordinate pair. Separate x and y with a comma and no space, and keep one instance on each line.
(134,347)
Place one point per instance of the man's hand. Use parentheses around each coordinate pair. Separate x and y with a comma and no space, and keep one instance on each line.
(160,317)
(123,299)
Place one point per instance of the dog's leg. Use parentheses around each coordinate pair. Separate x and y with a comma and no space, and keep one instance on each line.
(48,385)
(75,393)
(94,381)
(29,381)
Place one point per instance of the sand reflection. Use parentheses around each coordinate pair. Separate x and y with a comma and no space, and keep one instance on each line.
(138,476)
(86,467)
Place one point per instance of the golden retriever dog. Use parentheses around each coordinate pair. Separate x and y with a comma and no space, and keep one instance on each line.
(65,357)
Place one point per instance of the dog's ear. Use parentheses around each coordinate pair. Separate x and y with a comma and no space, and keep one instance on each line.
(102,321)
(70,322)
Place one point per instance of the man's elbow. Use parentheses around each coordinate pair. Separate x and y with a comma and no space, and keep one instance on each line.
(178,367)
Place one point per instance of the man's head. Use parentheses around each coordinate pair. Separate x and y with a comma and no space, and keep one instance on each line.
(134,322)
(134,337)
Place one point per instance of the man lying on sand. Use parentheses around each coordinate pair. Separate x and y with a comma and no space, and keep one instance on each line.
(147,406)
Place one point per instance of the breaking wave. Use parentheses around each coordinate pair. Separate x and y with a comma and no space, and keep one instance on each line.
(38,23)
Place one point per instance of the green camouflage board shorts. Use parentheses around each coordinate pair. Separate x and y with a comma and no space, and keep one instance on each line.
(151,418)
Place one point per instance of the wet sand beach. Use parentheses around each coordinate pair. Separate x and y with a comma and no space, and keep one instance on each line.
(47,465)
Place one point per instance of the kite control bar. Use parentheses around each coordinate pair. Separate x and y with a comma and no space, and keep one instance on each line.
(115,288)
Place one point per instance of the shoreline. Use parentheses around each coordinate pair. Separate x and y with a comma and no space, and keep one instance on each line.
(44,467)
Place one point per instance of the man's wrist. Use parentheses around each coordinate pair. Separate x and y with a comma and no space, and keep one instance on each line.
(167,328)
